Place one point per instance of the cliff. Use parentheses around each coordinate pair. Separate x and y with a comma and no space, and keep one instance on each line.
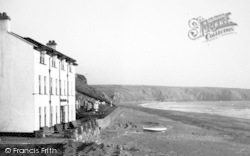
(82,88)
(126,93)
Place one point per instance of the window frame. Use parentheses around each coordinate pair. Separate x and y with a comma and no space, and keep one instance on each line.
(45,85)
(42,57)
(68,88)
(64,88)
(40,84)
(70,68)
(54,61)
(71,88)
(60,87)
(51,86)
(56,87)
(62,65)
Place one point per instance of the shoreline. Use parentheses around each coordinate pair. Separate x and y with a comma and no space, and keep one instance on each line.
(183,136)
(232,109)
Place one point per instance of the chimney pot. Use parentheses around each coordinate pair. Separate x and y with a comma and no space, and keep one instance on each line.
(4,16)
(51,44)
(4,22)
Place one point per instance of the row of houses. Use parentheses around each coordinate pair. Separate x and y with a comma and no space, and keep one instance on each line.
(37,83)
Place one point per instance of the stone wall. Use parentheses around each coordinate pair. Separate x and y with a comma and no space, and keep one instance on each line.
(90,131)
(105,122)
(86,132)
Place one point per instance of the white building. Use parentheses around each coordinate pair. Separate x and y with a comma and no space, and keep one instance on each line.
(37,83)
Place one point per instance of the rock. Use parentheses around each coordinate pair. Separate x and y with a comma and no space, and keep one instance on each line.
(119,147)
(108,145)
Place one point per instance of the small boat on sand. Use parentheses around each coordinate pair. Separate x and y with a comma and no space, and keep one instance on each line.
(154,129)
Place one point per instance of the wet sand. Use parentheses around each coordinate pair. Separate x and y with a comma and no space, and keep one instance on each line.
(231,109)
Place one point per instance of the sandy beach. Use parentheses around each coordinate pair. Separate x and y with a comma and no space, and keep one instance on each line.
(184,136)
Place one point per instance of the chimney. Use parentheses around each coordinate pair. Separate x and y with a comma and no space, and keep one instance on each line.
(4,22)
(52,44)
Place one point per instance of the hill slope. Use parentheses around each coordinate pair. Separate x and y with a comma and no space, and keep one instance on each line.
(83,88)
(125,93)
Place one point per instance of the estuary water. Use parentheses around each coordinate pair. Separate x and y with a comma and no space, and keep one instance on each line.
(236,109)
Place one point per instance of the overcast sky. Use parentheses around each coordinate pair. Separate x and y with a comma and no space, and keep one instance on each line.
(141,42)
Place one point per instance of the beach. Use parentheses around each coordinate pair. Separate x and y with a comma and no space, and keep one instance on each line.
(187,134)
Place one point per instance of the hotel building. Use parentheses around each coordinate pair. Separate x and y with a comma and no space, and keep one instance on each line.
(37,83)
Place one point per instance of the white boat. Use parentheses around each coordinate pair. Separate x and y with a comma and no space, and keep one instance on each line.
(154,129)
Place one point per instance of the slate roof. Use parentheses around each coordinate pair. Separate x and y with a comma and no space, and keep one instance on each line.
(40,46)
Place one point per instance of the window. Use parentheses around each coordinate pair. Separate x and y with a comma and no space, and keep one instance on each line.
(56,114)
(51,86)
(70,68)
(56,86)
(40,85)
(54,61)
(72,115)
(44,84)
(42,57)
(62,64)
(60,85)
(68,88)
(64,87)
(69,112)
(72,88)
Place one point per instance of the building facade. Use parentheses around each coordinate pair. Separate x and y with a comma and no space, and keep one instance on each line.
(37,83)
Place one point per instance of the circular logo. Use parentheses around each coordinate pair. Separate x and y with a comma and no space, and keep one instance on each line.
(7,150)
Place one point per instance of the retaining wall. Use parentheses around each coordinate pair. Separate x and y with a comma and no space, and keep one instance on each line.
(90,131)
(105,122)
(87,132)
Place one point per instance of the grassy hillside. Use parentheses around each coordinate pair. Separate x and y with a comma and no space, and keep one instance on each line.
(82,88)
(125,93)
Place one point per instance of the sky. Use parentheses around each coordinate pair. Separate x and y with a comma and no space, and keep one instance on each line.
(140,42)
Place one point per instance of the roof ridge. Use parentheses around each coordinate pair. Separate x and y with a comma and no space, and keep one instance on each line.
(40,45)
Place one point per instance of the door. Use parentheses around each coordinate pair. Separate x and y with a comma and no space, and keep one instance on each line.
(45,117)
(40,117)
(63,114)
(51,116)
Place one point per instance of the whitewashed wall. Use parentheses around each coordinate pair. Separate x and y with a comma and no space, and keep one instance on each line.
(16,84)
